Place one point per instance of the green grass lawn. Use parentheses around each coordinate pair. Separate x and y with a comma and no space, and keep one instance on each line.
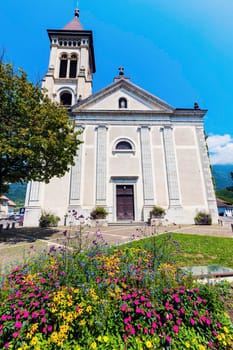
(189,249)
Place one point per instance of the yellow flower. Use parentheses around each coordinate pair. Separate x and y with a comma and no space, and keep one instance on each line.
(187,344)
(201,347)
(93,345)
(99,338)
(226,330)
(88,308)
(105,338)
(148,344)
(34,341)
(82,322)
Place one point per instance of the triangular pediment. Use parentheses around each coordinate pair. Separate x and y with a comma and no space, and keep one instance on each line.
(137,99)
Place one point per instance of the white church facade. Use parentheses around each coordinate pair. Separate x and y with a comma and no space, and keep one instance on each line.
(138,151)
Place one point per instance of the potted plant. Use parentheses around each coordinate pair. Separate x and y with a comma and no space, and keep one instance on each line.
(98,216)
(48,220)
(156,214)
(203,218)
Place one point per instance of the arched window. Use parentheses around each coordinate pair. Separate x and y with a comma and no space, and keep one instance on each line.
(66,98)
(73,66)
(123,145)
(63,66)
(122,103)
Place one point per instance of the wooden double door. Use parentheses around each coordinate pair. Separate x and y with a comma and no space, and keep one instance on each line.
(125,202)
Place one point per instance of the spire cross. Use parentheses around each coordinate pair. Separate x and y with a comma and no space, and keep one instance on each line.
(76,12)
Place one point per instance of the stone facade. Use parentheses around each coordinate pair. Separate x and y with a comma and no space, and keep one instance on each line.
(138,151)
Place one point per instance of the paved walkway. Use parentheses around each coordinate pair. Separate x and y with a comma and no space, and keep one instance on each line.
(121,234)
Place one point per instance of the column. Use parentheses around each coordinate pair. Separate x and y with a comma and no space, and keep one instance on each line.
(101,165)
(175,211)
(210,194)
(75,176)
(147,173)
(170,162)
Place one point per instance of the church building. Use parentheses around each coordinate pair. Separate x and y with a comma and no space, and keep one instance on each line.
(138,151)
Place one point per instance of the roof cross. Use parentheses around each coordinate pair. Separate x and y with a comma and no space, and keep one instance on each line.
(121,70)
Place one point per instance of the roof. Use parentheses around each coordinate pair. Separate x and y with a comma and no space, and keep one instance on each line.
(128,86)
(75,23)
(4,198)
(11,203)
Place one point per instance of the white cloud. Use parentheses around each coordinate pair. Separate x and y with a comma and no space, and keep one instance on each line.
(220,149)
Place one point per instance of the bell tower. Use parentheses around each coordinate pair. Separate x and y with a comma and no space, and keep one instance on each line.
(71,63)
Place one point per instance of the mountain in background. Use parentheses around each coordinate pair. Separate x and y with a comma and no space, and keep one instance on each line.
(17,193)
(221,174)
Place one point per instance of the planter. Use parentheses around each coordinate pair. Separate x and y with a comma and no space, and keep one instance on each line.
(99,223)
(159,221)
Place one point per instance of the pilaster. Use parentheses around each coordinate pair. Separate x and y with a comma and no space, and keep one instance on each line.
(174,210)
(147,172)
(101,165)
(210,194)
(75,176)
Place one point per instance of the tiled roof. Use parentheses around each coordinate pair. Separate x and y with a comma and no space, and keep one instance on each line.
(74,24)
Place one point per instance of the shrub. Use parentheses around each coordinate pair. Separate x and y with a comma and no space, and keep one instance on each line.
(203,218)
(157,212)
(48,220)
(99,213)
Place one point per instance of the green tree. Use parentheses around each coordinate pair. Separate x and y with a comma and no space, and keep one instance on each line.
(37,139)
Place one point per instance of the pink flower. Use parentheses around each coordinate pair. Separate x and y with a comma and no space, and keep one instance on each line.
(4,317)
(124,307)
(50,328)
(132,331)
(6,345)
(146,330)
(44,330)
(15,334)
(18,324)
(175,328)
(192,321)
(148,314)
(210,344)
(154,325)
(25,314)
(168,339)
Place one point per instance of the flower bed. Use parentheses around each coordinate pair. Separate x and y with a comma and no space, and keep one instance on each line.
(129,298)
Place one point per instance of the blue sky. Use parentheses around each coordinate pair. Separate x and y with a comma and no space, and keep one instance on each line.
(179,50)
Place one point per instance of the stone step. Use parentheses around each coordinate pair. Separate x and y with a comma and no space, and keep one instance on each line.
(127,223)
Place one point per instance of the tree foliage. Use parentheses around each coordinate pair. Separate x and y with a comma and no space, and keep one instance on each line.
(37,140)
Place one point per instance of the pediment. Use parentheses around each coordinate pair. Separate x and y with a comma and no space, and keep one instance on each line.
(137,99)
